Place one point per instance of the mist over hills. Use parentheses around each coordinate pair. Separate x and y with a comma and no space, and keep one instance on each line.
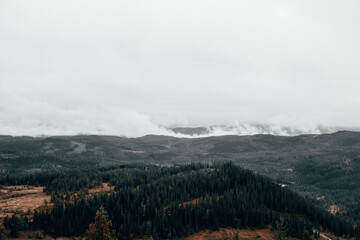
(240,129)
(147,127)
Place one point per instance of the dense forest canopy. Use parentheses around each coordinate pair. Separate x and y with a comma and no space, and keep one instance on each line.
(173,202)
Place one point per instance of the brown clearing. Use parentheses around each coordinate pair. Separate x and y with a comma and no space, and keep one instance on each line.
(20,199)
(228,233)
(30,234)
(320,198)
(92,191)
(333,209)
(104,188)
(247,234)
(79,147)
(193,202)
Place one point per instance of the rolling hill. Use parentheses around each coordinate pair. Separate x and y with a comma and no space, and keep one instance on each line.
(325,168)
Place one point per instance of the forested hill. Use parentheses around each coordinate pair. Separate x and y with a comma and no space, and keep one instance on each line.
(174,202)
(325,167)
(45,153)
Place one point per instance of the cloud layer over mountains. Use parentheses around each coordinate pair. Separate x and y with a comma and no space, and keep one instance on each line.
(133,68)
(36,118)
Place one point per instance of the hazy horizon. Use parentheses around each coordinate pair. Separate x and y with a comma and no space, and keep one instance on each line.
(234,128)
(133,68)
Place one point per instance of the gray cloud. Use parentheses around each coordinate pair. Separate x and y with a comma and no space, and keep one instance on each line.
(136,67)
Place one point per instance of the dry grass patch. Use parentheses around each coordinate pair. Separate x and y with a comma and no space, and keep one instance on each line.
(229,233)
(103,188)
(22,199)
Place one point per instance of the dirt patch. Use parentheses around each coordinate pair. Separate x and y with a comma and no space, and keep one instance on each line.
(192,202)
(31,234)
(25,199)
(79,147)
(103,188)
(320,198)
(22,199)
(228,233)
(334,209)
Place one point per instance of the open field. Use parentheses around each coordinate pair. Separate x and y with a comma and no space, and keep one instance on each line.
(228,233)
(247,234)
(25,199)
(38,235)
(104,188)
(22,200)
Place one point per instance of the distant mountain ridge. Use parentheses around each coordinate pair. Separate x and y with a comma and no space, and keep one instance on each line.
(241,129)
(191,131)
(233,128)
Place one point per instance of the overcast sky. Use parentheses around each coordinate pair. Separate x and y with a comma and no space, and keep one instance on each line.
(133,67)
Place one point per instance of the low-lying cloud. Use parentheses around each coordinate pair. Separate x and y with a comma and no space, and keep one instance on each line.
(21,116)
(26,117)
(132,68)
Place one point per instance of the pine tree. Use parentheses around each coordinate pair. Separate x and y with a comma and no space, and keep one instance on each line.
(280,233)
(100,229)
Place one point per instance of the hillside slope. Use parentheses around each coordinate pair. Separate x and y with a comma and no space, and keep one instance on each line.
(325,167)
(175,202)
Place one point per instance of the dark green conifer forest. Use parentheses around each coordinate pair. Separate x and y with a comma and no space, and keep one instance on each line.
(174,202)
